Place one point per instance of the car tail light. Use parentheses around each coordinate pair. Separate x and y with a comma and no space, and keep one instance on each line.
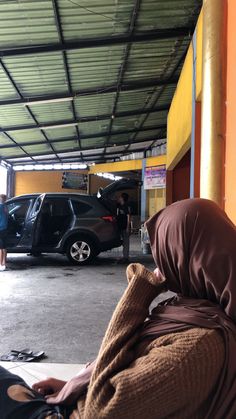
(109,218)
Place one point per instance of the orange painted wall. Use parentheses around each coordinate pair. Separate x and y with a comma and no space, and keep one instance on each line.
(230,157)
(39,182)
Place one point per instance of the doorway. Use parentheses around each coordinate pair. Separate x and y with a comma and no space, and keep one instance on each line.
(178,180)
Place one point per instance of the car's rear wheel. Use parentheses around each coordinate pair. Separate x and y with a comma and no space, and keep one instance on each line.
(81,251)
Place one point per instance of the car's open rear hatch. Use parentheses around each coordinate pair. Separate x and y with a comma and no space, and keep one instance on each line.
(117,186)
(107,194)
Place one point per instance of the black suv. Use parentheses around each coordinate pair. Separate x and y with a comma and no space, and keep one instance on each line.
(80,226)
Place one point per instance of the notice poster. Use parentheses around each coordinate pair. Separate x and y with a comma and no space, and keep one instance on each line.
(73,180)
(155,177)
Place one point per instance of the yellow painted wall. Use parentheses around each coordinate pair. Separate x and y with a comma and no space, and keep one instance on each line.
(127,165)
(156,200)
(199,58)
(40,182)
(179,122)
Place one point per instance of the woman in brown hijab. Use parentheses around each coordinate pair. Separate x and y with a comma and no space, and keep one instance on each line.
(180,363)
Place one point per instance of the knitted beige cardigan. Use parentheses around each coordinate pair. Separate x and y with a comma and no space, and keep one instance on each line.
(173,377)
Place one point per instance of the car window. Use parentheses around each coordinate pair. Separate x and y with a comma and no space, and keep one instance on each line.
(80,208)
(56,207)
(19,208)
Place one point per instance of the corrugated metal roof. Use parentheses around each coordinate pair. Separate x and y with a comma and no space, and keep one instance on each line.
(90,143)
(100,127)
(25,136)
(153,59)
(14,115)
(159,14)
(38,74)
(7,90)
(27,22)
(88,78)
(94,18)
(4,140)
(95,66)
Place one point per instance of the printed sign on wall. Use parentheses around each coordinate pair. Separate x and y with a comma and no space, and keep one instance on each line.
(155,177)
(72,180)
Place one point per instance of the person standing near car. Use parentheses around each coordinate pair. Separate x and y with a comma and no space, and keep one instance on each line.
(124,224)
(3,231)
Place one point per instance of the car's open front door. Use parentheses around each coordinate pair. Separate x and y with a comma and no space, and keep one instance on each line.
(32,224)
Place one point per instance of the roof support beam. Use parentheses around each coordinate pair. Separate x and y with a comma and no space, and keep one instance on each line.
(14,144)
(133,20)
(177,65)
(83,119)
(21,97)
(151,35)
(77,149)
(65,62)
(138,85)
(82,137)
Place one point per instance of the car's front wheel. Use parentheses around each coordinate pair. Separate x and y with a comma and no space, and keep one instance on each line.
(81,251)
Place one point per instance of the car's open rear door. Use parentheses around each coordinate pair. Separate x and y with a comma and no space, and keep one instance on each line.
(31,228)
(106,195)
(117,186)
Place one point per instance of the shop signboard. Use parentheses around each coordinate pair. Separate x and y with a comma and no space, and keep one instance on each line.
(73,180)
(155,177)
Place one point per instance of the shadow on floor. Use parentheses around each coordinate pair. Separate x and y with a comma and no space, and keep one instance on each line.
(22,262)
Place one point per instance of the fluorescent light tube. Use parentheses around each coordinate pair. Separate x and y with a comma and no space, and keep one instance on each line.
(72,124)
(56,100)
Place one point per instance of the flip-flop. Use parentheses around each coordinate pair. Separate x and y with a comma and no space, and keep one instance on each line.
(26,355)
(35,356)
(13,355)
(22,356)
(10,358)
(24,352)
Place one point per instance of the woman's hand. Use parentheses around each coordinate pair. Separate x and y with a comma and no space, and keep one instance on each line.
(69,393)
(49,386)
(155,278)
(159,277)
(74,388)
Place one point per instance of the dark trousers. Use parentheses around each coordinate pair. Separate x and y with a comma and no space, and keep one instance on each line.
(126,242)
(19,401)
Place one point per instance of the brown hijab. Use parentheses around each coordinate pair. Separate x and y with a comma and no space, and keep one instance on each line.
(194,245)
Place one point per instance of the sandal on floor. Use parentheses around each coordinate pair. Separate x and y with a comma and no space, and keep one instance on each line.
(26,355)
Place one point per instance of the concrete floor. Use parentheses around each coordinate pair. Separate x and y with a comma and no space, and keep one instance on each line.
(47,304)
